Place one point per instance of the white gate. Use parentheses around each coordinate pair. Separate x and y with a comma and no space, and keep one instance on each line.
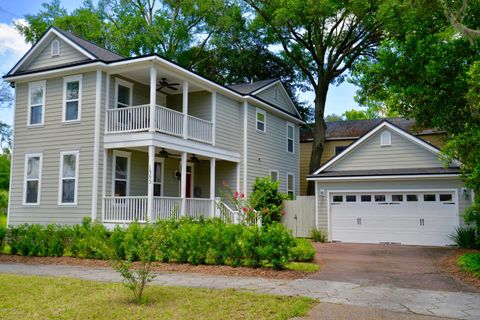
(300,215)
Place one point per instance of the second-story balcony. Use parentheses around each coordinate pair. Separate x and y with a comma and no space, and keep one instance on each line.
(166,120)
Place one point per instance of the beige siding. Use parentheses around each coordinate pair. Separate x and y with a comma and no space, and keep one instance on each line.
(43,59)
(417,184)
(268,150)
(402,153)
(51,139)
(229,124)
(199,104)
(282,101)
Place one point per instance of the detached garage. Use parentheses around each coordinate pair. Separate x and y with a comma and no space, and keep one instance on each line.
(389,187)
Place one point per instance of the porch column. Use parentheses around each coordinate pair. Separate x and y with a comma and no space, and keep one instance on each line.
(151,178)
(212,186)
(183,182)
(185,109)
(153,96)
(214,115)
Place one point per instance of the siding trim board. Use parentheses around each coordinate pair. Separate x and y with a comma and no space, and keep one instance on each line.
(96,144)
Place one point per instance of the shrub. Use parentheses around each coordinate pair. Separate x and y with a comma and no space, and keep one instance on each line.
(303,251)
(464,237)
(89,240)
(266,199)
(319,235)
(470,263)
(276,243)
(472,216)
(3,233)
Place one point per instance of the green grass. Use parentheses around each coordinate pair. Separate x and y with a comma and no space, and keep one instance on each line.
(3,220)
(34,297)
(470,262)
(302,266)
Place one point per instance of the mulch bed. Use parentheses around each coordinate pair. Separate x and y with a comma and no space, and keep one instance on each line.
(449,264)
(163,267)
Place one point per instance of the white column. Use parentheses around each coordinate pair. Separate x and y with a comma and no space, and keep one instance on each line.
(212,184)
(96,144)
(151,172)
(245,147)
(183,182)
(185,109)
(214,115)
(153,96)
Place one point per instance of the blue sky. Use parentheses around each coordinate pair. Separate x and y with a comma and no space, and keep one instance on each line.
(12,48)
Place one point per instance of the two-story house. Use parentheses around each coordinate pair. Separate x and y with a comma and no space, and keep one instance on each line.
(142,138)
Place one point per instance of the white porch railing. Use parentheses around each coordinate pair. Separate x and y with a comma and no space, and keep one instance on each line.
(199,129)
(197,207)
(125,209)
(169,121)
(166,208)
(128,119)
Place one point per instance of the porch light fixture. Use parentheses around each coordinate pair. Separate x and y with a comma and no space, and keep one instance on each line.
(163,153)
(194,159)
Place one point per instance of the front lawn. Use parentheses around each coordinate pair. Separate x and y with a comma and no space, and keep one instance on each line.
(470,262)
(29,297)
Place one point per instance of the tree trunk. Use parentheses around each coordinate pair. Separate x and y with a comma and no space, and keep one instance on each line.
(318,133)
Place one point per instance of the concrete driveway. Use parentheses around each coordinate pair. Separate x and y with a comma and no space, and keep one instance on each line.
(414,267)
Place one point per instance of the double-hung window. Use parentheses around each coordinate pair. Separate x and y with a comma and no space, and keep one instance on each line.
(36,102)
(273,175)
(33,178)
(121,173)
(290,184)
(72,91)
(261,117)
(158,179)
(290,135)
(123,93)
(69,161)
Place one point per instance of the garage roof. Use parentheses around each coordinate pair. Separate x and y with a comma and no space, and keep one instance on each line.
(387,172)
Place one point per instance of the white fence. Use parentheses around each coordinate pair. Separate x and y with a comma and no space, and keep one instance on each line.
(197,208)
(125,209)
(166,208)
(300,215)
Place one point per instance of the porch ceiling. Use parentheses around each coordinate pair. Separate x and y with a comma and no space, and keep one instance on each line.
(172,153)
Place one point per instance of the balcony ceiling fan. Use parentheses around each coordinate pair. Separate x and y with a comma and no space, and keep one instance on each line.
(163,83)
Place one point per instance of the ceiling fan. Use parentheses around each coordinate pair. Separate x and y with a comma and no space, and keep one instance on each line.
(163,83)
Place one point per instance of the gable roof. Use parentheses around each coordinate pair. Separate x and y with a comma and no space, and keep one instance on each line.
(383,124)
(251,87)
(353,129)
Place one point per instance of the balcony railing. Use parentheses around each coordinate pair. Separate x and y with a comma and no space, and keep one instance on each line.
(168,121)
(125,209)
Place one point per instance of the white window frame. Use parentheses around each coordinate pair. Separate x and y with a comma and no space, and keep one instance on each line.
(124,84)
(293,137)
(385,139)
(257,111)
(123,154)
(52,53)
(162,186)
(289,174)
(31,85)
(66,80)
(274,171)
(61,178)
(39,179)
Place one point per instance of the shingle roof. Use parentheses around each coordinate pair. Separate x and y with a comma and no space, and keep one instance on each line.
(387,172)
(247,88)
(357,128)
(98,52)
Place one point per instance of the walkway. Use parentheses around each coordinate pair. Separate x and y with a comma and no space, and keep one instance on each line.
(459,305)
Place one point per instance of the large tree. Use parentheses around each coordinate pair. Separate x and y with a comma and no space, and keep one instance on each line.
(323,39)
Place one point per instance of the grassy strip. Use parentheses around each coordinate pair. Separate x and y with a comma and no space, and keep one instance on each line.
(29,297)
(470,262)
(302,266)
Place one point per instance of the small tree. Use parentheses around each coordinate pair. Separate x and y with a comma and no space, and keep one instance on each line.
(267,200)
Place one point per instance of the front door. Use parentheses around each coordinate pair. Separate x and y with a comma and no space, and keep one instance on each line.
(188,185)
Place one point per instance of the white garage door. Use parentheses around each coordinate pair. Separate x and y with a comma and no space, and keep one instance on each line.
(417,218)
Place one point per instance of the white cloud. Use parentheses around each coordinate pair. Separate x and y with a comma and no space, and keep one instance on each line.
(12,45)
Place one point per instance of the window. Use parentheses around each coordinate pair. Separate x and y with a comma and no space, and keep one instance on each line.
(446,197)
(290,130)
(123,93)
(273,175)
(412,197)
(68,177)
(261,119)
(158,179)
(366,198)
(55,47)
(351,198)
(385,139)
(397,197)
(379,198)
(33,178)
(290,184)
(36,102)
(72,90)
(429,197)
(275,93)
(339,149)
(337,198)
(121,173)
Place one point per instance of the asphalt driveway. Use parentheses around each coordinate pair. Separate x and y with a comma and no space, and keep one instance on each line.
(414,267)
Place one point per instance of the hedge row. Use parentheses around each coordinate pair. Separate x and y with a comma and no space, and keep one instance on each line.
(185,241)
